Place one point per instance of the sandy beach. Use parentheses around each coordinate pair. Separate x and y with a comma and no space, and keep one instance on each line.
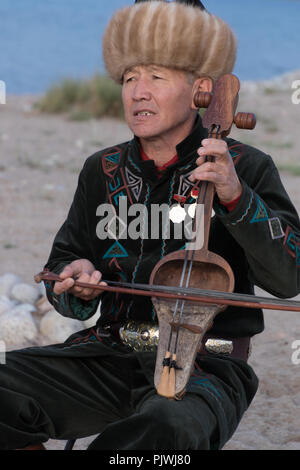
(40,159)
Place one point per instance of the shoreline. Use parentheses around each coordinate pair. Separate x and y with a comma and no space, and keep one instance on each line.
(277,80)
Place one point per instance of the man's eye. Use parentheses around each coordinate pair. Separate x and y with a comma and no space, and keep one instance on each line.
(157,77)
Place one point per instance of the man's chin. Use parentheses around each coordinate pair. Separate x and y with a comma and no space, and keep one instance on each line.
(146,136)
(145,132)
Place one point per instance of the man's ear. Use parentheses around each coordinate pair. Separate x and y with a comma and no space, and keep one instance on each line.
(201,84)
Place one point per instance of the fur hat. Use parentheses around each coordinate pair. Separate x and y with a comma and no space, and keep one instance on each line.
(170,34)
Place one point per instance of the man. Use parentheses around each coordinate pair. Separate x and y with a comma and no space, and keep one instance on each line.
(163,54)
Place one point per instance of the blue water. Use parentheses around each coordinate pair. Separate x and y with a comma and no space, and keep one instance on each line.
(43,41)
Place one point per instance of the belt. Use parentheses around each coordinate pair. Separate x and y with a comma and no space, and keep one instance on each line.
(143,336)
(140,336)
(238,348)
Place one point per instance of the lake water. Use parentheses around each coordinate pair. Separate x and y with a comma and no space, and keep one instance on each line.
(45,41)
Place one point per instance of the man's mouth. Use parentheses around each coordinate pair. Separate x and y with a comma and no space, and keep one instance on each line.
(144,113)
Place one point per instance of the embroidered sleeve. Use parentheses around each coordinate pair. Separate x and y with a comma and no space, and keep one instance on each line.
(70,306)
(266,225)
(71,243)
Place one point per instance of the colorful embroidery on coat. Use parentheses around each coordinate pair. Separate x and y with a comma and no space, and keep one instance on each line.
(134,164)
(135,183)
(204,383)
(185,185)
(116,251)
(110,161)
(91,337)
(115,190)
(260,214)
(291,245)
(200,379)
(116,186)
(236,151)
(246,211)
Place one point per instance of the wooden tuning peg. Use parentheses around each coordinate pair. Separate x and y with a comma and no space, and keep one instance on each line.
(245,121)
(202,99)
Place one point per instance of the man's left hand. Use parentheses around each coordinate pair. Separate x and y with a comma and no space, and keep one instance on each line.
(221,172)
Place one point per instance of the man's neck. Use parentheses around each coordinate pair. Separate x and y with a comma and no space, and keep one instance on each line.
(158,152)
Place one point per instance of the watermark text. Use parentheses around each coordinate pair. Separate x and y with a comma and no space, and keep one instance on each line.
(296,354)
(296,94)
(159,221)
(2,92)
(2,353)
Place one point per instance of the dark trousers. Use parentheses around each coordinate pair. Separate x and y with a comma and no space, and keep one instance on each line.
(88,386)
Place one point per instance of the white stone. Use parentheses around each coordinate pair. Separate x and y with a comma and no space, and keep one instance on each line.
(7,282)
(6,304)
(17,326)
(25,293)
(93,320)
(42,305)
(58,328)
(25,307)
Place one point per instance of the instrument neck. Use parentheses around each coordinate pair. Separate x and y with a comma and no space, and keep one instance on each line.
(209,188)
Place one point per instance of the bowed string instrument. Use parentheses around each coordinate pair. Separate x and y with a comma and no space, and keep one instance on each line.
(190,287)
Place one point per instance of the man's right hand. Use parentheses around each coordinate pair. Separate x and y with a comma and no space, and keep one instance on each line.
(83,271)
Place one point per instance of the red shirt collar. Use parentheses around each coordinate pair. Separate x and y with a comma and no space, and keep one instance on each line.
(162,168)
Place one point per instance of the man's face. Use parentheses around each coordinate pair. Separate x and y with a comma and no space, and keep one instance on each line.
(157,102)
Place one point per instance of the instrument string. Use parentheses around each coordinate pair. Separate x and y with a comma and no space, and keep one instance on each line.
(200,200)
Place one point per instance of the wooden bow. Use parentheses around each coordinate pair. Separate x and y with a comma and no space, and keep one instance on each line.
(176,293)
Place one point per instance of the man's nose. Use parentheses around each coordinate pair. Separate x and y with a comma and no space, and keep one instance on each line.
(141,90)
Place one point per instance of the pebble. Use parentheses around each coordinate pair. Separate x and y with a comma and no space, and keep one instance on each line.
(7,282)
(58,328)
(17,326)
(26,313)
(24,293)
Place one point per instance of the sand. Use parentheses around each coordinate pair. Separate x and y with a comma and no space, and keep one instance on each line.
(40,159)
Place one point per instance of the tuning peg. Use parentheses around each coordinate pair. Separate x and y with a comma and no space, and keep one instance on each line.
(245,121)
(202,99)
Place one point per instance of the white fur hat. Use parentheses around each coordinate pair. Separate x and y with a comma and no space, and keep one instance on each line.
(171,34)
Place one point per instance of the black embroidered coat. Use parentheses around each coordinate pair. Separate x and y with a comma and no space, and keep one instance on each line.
(260,238)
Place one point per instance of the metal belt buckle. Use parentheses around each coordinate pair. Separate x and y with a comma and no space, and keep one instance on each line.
(219,346)
(140,336)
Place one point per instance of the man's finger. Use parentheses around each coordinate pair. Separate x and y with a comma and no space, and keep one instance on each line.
(83,292)
(208,167)
(216,151)
(210,176)
(67,272)
(94,279)
(84,277)
(200,160)
(88,279)
(60,287)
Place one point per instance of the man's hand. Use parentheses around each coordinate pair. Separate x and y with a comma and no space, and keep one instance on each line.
(221,172)
(84,271)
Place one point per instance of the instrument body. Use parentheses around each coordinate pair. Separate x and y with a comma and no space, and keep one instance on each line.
(210,272)
(183,324)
